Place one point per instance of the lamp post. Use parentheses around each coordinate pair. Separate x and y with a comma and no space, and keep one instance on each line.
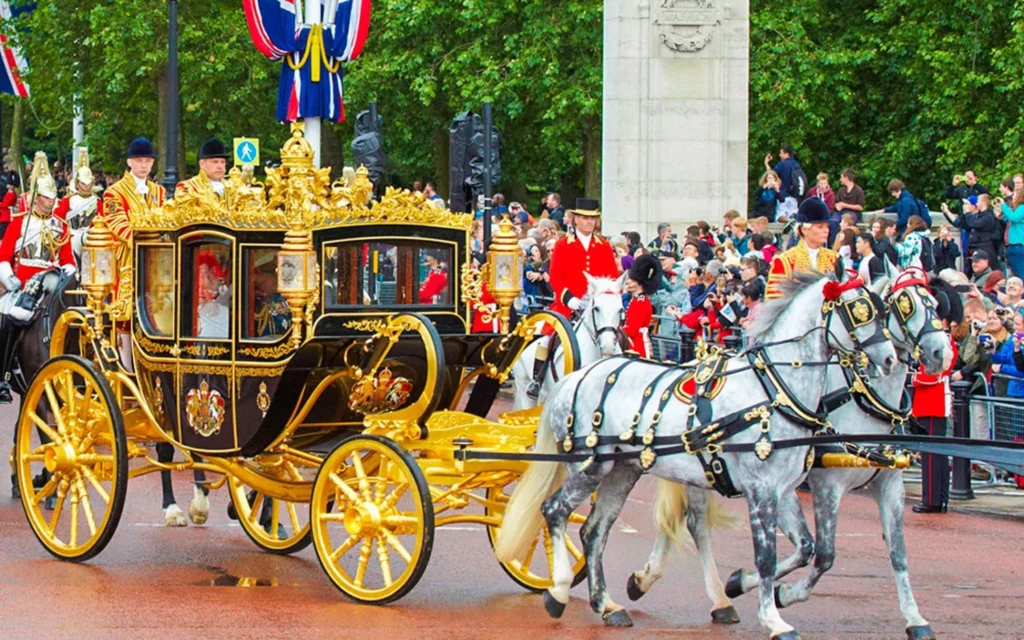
(171,171)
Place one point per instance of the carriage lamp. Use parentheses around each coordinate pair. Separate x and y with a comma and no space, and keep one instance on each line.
(505,271)
(296,277)
(98,264)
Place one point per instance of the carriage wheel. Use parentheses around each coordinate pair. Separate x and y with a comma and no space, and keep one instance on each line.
(373,519)
(276,526)
(533,571)
(71,446)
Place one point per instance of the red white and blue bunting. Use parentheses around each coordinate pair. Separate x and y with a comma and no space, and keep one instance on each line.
(311,77)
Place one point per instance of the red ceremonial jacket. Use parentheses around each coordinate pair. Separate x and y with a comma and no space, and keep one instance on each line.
(479,326)
(638,325)
(31,257)
(5,206)
(931,392)
(435,284)
(569,261)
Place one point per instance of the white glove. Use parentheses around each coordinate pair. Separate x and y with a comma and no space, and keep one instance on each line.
(575,304)
(11,283)
(69,269)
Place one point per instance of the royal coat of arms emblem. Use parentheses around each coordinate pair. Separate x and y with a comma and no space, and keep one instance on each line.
(205,410)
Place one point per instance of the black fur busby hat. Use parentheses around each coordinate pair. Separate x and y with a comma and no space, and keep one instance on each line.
(950,306)
(141,148)
(213,148)
(646,271)
(812,210)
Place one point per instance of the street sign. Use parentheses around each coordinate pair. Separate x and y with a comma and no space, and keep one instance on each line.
(247,151)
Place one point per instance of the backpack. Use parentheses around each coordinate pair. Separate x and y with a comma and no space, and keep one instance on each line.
(797,182)
(922,210)
(927,255)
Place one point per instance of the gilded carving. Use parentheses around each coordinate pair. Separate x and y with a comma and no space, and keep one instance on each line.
(381,393)
(204,350)
(149,345)
(267,353)
(373,325)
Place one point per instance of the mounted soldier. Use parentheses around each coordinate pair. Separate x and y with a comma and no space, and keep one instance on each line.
(810,254)
(213,164)
(79,208)
(578,254)
(36,244)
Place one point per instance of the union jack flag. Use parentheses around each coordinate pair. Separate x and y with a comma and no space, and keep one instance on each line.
(311,79)
(13,61)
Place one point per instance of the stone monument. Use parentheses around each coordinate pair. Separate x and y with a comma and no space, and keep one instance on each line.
(675,112)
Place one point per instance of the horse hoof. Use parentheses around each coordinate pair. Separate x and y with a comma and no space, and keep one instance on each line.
(633,588)
(617,619)
(734,585)
(923,632)
(789,635)
(199,509)
(778,599)
(554,608)
(173,517)
(232,512)
(726,615)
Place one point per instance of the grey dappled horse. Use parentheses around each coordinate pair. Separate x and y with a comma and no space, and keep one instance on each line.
(791,329)
(914,334)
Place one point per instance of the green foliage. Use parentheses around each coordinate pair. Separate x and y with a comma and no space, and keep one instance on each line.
(893,88)
(539,61)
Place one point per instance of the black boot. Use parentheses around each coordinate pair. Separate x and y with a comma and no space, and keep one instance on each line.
(7,340)
(540,366)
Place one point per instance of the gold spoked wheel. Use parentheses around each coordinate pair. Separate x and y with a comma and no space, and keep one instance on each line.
(373,521)
(70,446)
(533,571)
(277,526)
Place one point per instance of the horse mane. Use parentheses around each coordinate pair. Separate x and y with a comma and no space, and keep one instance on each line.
(602,285)
(769,312)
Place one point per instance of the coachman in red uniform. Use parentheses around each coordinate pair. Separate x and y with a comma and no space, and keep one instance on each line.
(643,280)
(579,252)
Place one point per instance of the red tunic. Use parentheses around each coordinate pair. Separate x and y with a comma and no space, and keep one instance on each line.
(638,325)
(931,392)
(435,285)
(570,260)
(32,256)
(479,326)
(5,206)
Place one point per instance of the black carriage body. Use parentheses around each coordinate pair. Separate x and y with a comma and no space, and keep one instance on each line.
(232,384)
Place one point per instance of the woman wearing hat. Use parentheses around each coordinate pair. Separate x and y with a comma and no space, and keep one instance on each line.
(578,253)
(810,254)
(642,280)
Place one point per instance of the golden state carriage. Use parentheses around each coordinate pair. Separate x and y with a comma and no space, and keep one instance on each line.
(282,336)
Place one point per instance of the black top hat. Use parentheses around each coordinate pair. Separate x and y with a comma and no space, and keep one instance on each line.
(812,210)
(141,148)
(213,148)
(587,207)
(646,272)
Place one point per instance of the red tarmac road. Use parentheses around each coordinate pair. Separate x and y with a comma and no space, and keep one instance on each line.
(157,582)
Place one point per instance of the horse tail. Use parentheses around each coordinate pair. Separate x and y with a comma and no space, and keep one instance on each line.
(670,505)
(523,518)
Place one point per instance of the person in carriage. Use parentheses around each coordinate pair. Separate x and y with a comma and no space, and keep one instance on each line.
(79,208)
(642,280)
(811,252)
(36,244)
(213,164)
(435,285)
(578,253)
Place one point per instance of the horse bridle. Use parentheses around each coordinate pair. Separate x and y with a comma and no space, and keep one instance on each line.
(906,308)
(597,331)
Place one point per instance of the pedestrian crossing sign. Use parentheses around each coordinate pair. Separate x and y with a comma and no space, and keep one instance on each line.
(247,151)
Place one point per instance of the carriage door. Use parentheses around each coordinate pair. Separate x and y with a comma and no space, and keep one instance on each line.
(206,338)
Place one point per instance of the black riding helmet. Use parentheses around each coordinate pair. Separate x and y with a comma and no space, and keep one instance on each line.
(646,271)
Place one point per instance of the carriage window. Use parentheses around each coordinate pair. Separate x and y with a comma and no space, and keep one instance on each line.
(158,290)
(266,311)
(388,273)
(208,286)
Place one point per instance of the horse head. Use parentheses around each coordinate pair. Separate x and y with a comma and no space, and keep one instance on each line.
(602,312)
(860,329)
(914,317)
